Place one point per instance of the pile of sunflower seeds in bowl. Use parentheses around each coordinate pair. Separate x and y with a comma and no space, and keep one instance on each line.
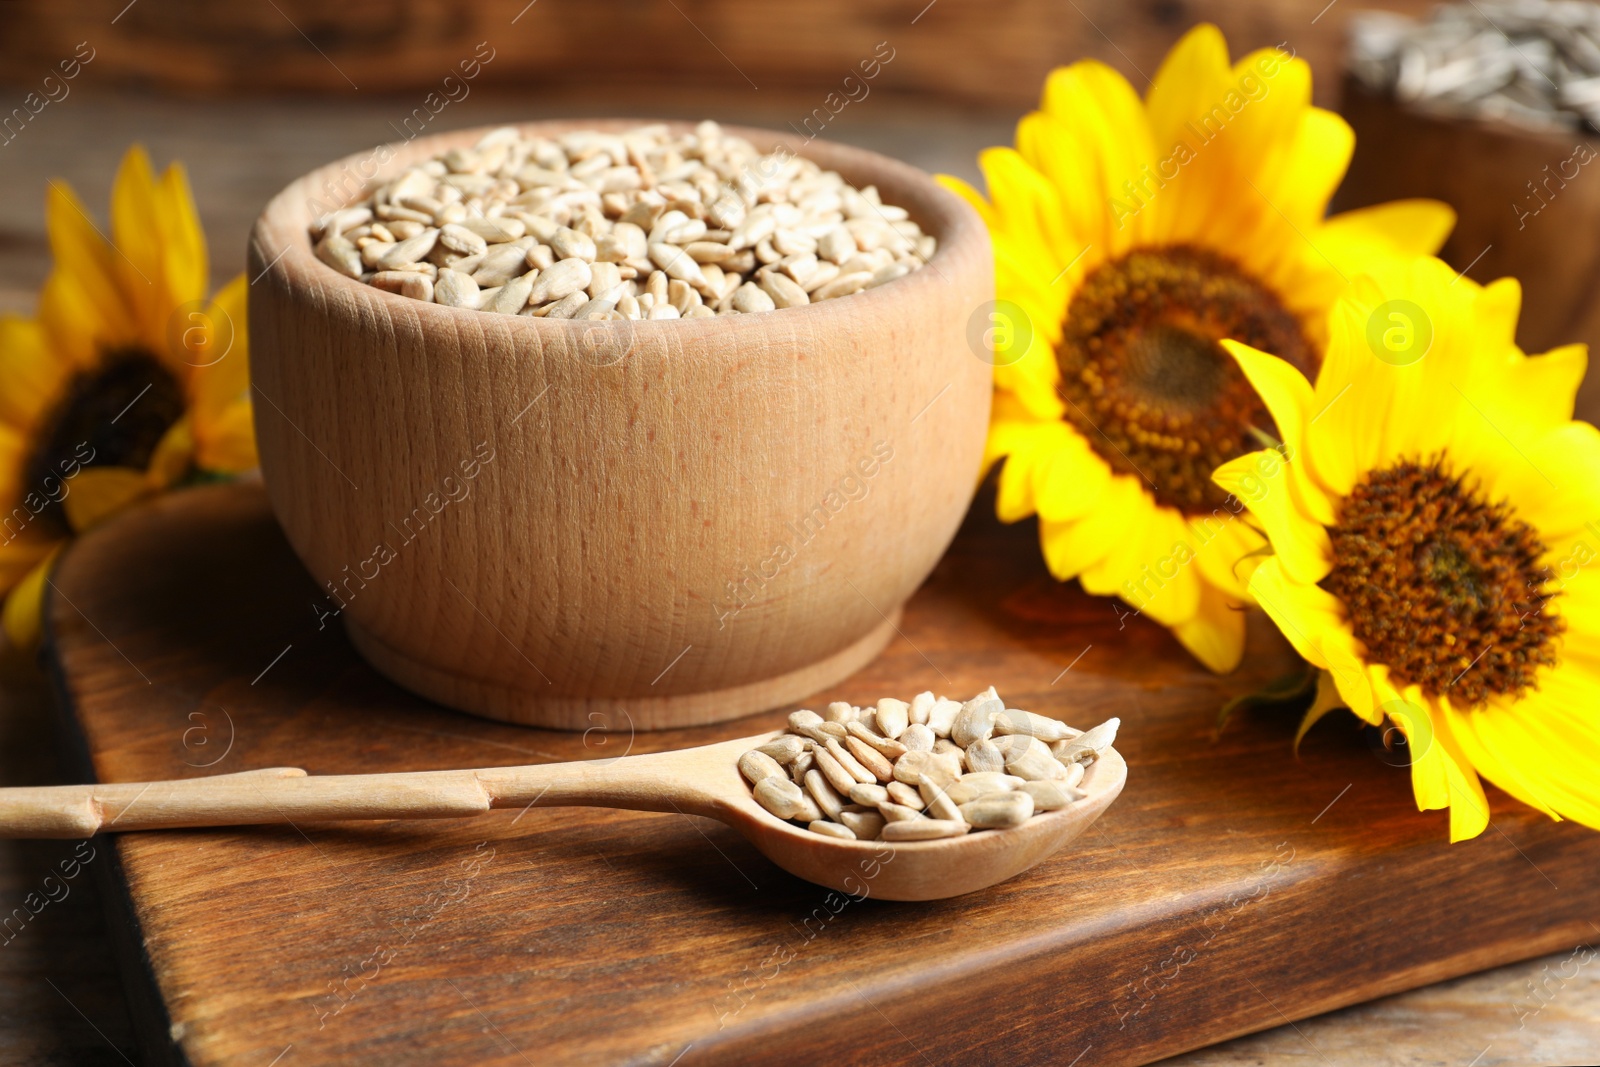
(1533,63)
(642,224)
(923,770)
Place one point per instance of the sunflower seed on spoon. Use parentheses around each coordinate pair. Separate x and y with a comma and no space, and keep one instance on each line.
(859,781)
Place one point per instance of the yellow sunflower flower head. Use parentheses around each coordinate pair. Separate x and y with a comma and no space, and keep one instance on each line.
(127,381)
(1434,518)
(1130,238)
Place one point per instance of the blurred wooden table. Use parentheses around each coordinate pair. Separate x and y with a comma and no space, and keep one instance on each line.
(60,1000)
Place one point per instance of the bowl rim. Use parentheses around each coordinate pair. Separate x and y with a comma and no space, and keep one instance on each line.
(280,246)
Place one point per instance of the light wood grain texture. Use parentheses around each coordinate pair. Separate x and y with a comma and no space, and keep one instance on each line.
(699,781)
(1545,1011)
(1286,887)
(536,519)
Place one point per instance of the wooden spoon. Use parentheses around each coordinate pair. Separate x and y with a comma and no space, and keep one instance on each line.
(696,781)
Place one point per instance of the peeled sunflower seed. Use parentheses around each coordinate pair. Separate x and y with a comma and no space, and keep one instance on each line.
(840,712)
(870,758)
(841,779)
(898,812)
(1015,721)
(917,738)
(1030,759)
(893,717)
(512,297)
(924,830)
(841,772)
(784,749)
(803,717)
(1048,796)
(866,825)
(820,731)
(411,250)
(1087,746)
(823,793)
(852,766)
(455,289)
(910,767)
(563,278)
(891,750)
(901,793)
(415,286)
(783,798)
(984,756)
(756,765)
(975,721)
(870,795)
(942,716)
(935,802)
(459,239)
(998,810)
(340,254)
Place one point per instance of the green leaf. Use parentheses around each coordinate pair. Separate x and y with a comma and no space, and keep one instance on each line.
(1281,690)
(1265,438)
(199,476)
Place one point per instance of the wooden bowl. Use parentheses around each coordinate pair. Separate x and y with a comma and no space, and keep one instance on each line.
(680,521)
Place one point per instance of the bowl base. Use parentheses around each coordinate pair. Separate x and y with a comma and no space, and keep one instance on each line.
(530,707)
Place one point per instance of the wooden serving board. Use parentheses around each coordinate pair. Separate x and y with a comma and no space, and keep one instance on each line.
(1230,889)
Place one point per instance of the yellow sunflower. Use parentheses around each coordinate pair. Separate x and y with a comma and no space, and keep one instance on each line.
(1435,539)
(1130,237)
(126,382)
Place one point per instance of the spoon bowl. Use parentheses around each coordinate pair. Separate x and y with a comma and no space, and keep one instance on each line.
(694,781)
(908,870)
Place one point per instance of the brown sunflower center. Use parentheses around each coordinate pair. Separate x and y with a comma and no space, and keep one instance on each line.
(1442,586)
(114,415)
(1147,383)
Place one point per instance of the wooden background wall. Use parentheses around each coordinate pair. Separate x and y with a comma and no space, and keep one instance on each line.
(985,53)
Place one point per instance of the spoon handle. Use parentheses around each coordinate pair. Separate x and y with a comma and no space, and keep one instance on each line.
(664,781)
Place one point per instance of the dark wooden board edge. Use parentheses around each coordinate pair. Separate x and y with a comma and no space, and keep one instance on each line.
(1019,1010)
(152,1025)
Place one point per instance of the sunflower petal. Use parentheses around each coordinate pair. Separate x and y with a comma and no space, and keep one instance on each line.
(83,304)
(218,360)
(1308,615)
(1354,240)
(1072,547)
(1282,388)
(1108,119)
(966,192)
(1326,700)
(100,492)
(1215,635)
(31,377)
(25,604)
(1192,78)
(19,556)
(1261,480)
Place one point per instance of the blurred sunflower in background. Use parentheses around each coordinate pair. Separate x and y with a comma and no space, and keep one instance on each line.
(127,381)
(1130,238)
(1435,539)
